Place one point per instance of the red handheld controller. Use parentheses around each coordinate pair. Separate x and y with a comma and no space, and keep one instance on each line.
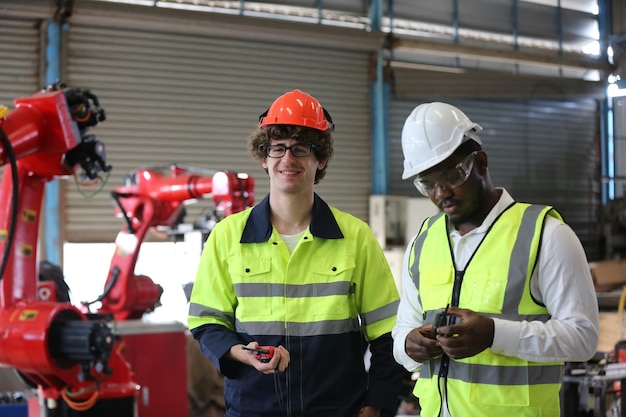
(263,353)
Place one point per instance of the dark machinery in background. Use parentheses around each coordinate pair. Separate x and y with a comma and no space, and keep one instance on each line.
(71,356)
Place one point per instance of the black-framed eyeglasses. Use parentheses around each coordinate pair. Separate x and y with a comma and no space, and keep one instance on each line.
(299,150)
(448,178)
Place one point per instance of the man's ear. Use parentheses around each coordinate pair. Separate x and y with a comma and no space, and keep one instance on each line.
(481,162)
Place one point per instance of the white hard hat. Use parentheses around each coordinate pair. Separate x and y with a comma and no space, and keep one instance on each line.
(431,133)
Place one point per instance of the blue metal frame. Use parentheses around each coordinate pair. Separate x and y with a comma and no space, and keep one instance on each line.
(380,92)
(607,158)
(607,153)
(52,225)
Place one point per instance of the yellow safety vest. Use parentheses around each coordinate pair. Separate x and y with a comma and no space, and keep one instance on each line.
(251,284)
(318,301)
(496,283)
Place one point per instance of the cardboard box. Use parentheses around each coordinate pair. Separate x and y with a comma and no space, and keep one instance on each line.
(608,275)
(612,330)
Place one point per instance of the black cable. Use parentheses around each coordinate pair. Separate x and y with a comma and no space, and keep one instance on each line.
(443,374)
(116,198)
(14,201)
(278,389)
(115,273)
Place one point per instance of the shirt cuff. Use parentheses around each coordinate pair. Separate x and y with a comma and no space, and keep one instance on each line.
(506,337)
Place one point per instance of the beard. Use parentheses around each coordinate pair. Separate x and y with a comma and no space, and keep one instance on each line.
(470,209)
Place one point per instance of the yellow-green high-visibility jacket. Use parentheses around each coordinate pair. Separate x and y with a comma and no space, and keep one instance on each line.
(496,282)
(324,302)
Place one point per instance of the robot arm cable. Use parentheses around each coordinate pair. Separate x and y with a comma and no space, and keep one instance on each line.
(82,405)
(14,203)
(115,273)
(116,198)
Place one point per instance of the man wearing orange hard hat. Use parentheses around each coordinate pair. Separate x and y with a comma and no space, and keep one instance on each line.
(290,294)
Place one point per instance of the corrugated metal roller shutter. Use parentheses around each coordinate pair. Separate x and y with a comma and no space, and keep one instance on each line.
(21,57)
(20,49)
(175,96)
(541,151)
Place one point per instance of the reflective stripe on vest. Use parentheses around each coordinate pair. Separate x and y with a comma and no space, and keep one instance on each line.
(487,374)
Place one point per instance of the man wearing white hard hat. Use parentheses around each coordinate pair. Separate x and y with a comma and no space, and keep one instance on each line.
(497,294)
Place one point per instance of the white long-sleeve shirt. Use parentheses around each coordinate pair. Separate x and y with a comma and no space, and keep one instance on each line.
(562,281)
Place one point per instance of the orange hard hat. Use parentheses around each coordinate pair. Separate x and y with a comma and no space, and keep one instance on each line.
(299,109)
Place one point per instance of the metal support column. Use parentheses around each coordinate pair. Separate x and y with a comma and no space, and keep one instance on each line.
(380,92)
(52,224)
(607,156)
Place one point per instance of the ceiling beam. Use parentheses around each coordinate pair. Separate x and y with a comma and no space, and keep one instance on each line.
(536,58)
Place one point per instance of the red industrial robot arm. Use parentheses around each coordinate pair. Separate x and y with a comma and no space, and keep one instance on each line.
(53,344)
(155,197)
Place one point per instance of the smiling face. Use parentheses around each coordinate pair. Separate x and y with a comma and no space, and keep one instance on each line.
(289,174)
(288,135)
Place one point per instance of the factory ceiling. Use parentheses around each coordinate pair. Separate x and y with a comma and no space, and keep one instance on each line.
(559,38)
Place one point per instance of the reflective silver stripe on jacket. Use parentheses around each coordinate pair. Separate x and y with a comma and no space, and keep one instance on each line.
(381,313)
(281,328)
(198,310)
(298,329)
(292,328)
(292,290)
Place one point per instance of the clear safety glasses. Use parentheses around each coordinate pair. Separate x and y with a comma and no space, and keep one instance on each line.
(449,179)
(298,150)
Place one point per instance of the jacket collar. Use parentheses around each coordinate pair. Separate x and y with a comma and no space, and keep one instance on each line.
(259,229)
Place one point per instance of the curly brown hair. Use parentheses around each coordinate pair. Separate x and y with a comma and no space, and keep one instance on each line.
(262,137)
